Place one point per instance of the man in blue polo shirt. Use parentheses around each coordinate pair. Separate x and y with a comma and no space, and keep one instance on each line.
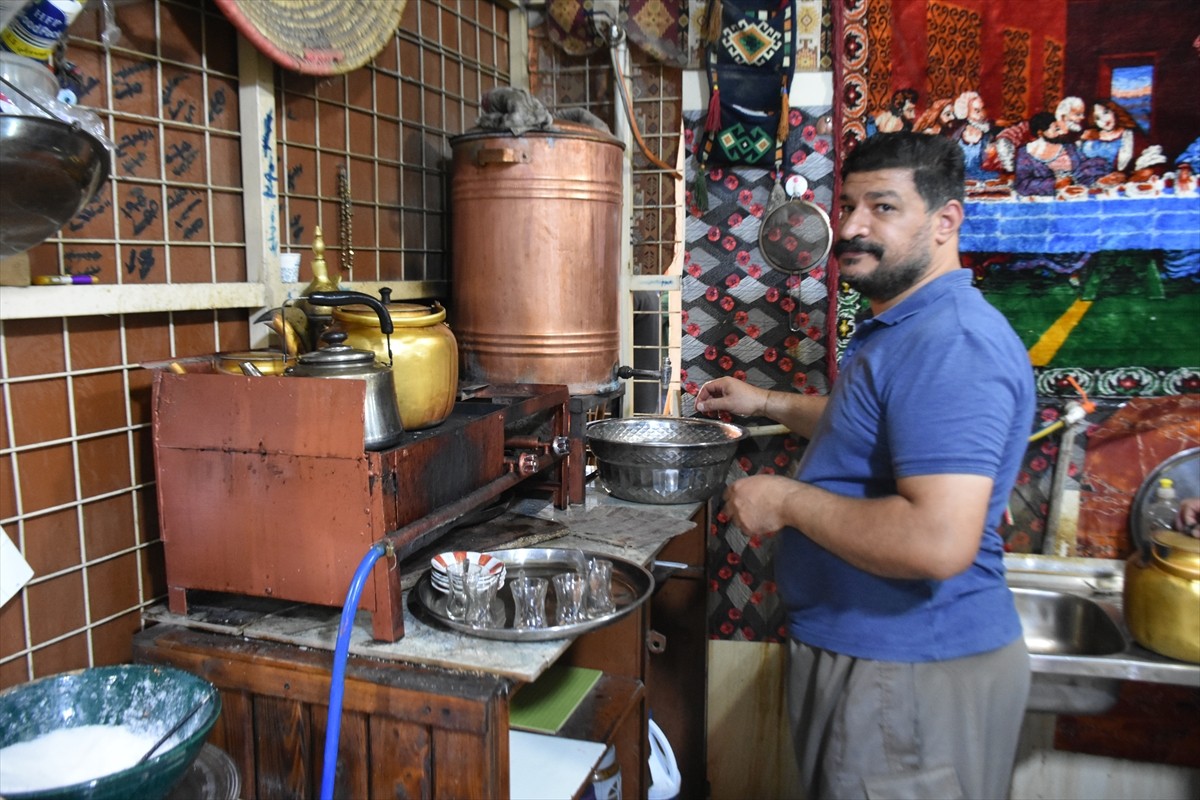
(909,674)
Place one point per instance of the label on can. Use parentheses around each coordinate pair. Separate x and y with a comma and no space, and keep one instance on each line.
(35,32)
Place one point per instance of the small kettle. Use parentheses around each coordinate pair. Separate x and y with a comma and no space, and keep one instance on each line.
(1162,595)
(381,416)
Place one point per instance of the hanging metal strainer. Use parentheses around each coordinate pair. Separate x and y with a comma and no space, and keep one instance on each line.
(796,236)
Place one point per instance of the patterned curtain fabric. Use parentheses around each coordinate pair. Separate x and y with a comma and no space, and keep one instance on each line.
(666,30)
(663,29)
(569,23)
(768,327)
(750,60)
(745,319)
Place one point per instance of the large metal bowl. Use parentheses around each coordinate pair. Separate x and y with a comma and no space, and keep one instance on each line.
(49,171)
(663,460)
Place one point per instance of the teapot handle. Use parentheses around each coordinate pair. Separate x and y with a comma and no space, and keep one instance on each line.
(346,298)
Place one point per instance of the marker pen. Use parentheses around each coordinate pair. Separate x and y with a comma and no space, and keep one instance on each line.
(62,280)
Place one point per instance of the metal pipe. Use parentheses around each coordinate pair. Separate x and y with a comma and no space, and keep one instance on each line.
(411,537)
(768,430)
(1050,544)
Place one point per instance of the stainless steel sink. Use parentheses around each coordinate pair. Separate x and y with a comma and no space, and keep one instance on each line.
(1080,649)
(1058,623)
(1067,625)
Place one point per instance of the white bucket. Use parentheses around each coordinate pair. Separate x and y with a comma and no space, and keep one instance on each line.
(665,780)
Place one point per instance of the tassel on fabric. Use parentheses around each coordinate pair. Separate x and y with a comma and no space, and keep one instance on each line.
(700,188)
(712,122)
(713,23)
(784,112)
(778,195)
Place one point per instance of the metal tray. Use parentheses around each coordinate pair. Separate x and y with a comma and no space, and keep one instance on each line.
(632,584)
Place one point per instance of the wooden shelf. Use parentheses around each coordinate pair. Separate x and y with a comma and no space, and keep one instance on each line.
(606,707)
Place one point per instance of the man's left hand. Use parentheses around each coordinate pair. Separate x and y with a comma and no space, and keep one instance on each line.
(755,504)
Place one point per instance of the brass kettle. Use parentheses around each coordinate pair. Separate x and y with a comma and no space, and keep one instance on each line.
(1162,595)
(420,347)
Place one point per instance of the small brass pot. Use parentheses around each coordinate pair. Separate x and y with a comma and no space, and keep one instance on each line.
(1162,596)
(424,356)
(267,362)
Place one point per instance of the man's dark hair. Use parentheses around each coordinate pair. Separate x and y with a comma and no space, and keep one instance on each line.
(1041,122)
(936,163)
(902,96)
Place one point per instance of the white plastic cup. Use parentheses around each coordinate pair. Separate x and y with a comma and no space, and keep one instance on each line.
(34,31)
(289,267)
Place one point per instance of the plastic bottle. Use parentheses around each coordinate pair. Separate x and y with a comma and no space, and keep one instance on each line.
(1161,510)
(35,30)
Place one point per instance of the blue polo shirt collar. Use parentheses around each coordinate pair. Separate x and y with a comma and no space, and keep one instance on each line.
(929,294)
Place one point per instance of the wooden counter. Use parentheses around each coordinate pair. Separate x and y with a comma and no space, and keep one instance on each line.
(428,715)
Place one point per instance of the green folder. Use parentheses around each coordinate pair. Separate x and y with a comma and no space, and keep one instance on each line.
(546,704)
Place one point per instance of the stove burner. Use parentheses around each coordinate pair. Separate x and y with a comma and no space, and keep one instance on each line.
(276,501)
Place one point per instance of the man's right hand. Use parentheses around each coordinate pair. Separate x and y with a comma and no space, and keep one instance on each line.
(731,395)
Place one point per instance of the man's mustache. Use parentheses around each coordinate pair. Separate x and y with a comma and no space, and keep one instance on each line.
(857,245)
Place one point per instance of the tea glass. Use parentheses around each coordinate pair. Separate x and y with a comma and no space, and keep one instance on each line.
(471,594)
(529,601)
(599,587)
(457,601)
(481,590)
(569,591)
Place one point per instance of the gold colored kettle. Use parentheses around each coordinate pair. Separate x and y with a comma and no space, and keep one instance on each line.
(1162,595)
(424,355)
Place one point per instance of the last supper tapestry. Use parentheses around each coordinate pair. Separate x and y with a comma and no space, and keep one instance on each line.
(1079,126)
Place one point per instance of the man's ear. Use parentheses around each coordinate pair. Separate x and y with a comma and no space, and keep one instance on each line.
(947,220)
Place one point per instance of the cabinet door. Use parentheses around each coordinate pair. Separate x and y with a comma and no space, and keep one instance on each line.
(619,650)
(676,681)
(406,731)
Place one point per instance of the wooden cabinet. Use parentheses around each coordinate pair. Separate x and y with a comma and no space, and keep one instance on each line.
(677,673)
(415,731)
(406,731)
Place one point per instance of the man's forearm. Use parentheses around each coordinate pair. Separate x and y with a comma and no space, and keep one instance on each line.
(798,412)
(931,529)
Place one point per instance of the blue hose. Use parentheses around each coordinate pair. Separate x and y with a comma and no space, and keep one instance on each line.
(337,683)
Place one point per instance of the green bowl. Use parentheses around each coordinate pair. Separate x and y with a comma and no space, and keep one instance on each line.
(147,699)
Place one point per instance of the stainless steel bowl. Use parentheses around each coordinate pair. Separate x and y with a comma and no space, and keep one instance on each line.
(663,460)
(49,171)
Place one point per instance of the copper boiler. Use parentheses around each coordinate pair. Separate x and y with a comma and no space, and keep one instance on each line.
(535,260)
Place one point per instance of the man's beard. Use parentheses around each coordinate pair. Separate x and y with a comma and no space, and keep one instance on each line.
(888,280)
(981,125)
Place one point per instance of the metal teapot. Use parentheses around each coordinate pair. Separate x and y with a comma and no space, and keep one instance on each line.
(381,417)
(1162,576)
(1162,595)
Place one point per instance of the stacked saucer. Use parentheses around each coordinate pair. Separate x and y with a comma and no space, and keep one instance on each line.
(459,562)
